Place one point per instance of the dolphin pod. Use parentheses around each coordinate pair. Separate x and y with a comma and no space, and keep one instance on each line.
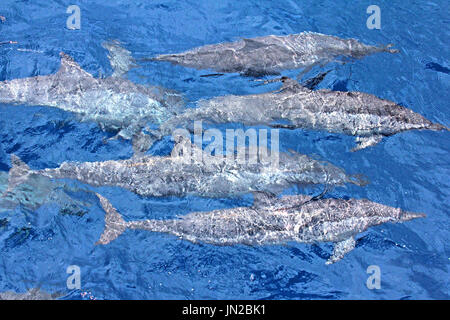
(269,221)
(116,104)
(359,114)
(271,54)
(122,106)
(205,176)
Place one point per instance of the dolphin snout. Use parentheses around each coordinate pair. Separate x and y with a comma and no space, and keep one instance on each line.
(407,215)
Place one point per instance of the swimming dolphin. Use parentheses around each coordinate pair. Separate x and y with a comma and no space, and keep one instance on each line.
(271,54)
(116,104)
(359,114)
(269,221)
(202,175)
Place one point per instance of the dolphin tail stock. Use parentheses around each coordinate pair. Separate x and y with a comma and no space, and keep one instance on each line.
(18,174)
(115,225)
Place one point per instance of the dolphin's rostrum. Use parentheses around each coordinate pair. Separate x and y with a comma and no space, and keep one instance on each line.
(272,54)
(115,103)
(269,221)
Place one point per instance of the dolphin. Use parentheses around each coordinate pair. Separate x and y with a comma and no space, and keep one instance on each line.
(271,54)
(116,104)
(269,221)
(202,174)
(294,106)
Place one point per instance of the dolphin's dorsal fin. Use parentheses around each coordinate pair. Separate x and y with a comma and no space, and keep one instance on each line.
(70,68)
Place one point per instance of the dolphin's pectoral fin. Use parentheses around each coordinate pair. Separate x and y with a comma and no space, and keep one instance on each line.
(364,142)
(341,249)
(263,198)
(70,68)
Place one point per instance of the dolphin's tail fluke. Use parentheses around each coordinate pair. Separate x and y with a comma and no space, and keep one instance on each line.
(388,48)
(18,174)
(115,225)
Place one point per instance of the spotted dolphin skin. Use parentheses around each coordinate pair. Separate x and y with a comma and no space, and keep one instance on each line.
(294,106)
(116,104)
(269,221)
(272,54)
(206,176)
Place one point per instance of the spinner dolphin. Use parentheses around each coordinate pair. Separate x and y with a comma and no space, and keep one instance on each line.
(294,106)
(270,221)
(271,54)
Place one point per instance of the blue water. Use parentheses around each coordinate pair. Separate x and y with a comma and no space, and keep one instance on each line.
(409,170)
